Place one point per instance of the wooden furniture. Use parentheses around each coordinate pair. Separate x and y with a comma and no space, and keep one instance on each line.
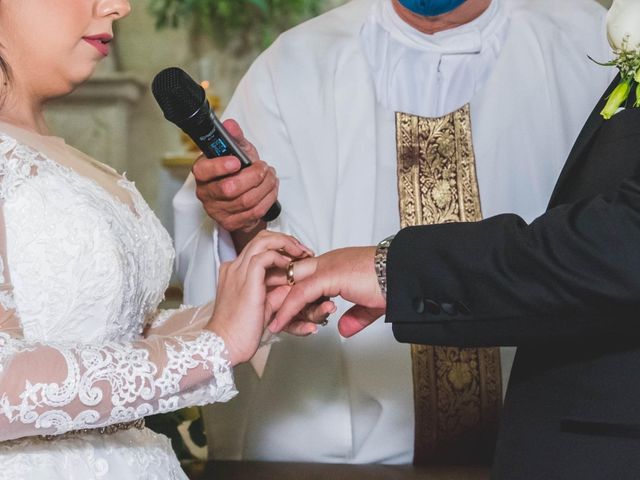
(232,470)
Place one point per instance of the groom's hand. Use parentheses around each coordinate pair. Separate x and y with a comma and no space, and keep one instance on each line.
(348,273)
(236,199)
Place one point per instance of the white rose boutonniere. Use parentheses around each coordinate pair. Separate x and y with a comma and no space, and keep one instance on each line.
(623,33)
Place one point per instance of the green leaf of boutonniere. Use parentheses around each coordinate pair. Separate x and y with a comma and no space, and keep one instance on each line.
(617,98)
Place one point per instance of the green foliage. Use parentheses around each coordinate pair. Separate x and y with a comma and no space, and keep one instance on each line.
(168,423)
(246,23)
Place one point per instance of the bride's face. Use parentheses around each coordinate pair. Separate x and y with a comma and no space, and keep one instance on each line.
(52,46)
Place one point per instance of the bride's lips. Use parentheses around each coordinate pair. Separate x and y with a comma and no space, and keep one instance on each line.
(99,42)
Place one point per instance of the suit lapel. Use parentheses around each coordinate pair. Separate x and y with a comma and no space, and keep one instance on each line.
(586,134)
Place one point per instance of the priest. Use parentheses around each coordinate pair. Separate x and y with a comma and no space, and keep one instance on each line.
(377,115)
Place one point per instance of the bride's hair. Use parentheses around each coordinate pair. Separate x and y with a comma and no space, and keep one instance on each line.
(5,71)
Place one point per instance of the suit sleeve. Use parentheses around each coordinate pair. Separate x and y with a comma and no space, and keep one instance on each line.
(573,272)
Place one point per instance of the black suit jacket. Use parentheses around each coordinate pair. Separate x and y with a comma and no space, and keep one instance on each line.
(565,289)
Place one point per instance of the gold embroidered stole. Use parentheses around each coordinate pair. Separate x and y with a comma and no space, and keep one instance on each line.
(457,392)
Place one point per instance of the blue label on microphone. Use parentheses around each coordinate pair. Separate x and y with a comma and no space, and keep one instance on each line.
(219,147)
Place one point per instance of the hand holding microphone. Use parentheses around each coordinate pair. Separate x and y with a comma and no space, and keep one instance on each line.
(236,197)
(235,191)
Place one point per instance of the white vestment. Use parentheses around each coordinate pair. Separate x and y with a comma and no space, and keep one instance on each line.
(319,106)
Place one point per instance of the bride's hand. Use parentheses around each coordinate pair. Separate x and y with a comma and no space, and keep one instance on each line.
(243,308)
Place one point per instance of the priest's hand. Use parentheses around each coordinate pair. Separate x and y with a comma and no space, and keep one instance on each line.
(348,273)
(236,199)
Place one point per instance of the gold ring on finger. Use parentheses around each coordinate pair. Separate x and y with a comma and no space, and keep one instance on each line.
(290,278)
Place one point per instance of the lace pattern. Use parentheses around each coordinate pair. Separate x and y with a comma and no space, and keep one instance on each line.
(128,455)
(162,317)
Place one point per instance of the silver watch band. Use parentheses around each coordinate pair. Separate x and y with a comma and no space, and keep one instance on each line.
(380,261)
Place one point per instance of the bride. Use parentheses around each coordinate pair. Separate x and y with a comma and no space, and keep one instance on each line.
(84,353)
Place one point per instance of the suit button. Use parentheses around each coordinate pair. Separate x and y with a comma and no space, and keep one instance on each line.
(450,309)
(462,308)
(432,307)
(418,305)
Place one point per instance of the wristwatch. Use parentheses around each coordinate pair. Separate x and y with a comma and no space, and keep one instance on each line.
(380,261)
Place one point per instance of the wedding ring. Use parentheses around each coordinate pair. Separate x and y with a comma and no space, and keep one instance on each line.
(324,322)
(290,279)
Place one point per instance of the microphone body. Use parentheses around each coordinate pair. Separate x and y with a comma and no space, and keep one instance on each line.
(185,104)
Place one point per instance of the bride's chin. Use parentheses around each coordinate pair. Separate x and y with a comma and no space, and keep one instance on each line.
(62,88)
(82,71)
(82,76)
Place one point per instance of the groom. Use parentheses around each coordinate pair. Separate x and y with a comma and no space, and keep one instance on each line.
(565,289)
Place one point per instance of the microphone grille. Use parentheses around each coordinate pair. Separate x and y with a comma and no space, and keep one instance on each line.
(178,95)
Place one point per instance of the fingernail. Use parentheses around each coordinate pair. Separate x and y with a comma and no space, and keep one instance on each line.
(306,249)
(333,309)
(229,164)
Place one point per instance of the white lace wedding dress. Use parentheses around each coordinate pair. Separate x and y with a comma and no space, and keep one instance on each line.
(83,266)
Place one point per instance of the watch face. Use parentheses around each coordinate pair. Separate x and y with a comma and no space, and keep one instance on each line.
(386,242)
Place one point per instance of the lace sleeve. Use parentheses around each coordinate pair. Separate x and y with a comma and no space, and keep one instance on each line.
(55,388)
(183,320)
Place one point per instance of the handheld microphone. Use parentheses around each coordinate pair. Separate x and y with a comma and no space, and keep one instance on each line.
(185,104)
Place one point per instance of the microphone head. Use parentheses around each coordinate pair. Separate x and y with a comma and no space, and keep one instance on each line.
(178,95)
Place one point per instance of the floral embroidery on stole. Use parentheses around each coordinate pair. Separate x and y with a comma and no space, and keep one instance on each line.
(457,391)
